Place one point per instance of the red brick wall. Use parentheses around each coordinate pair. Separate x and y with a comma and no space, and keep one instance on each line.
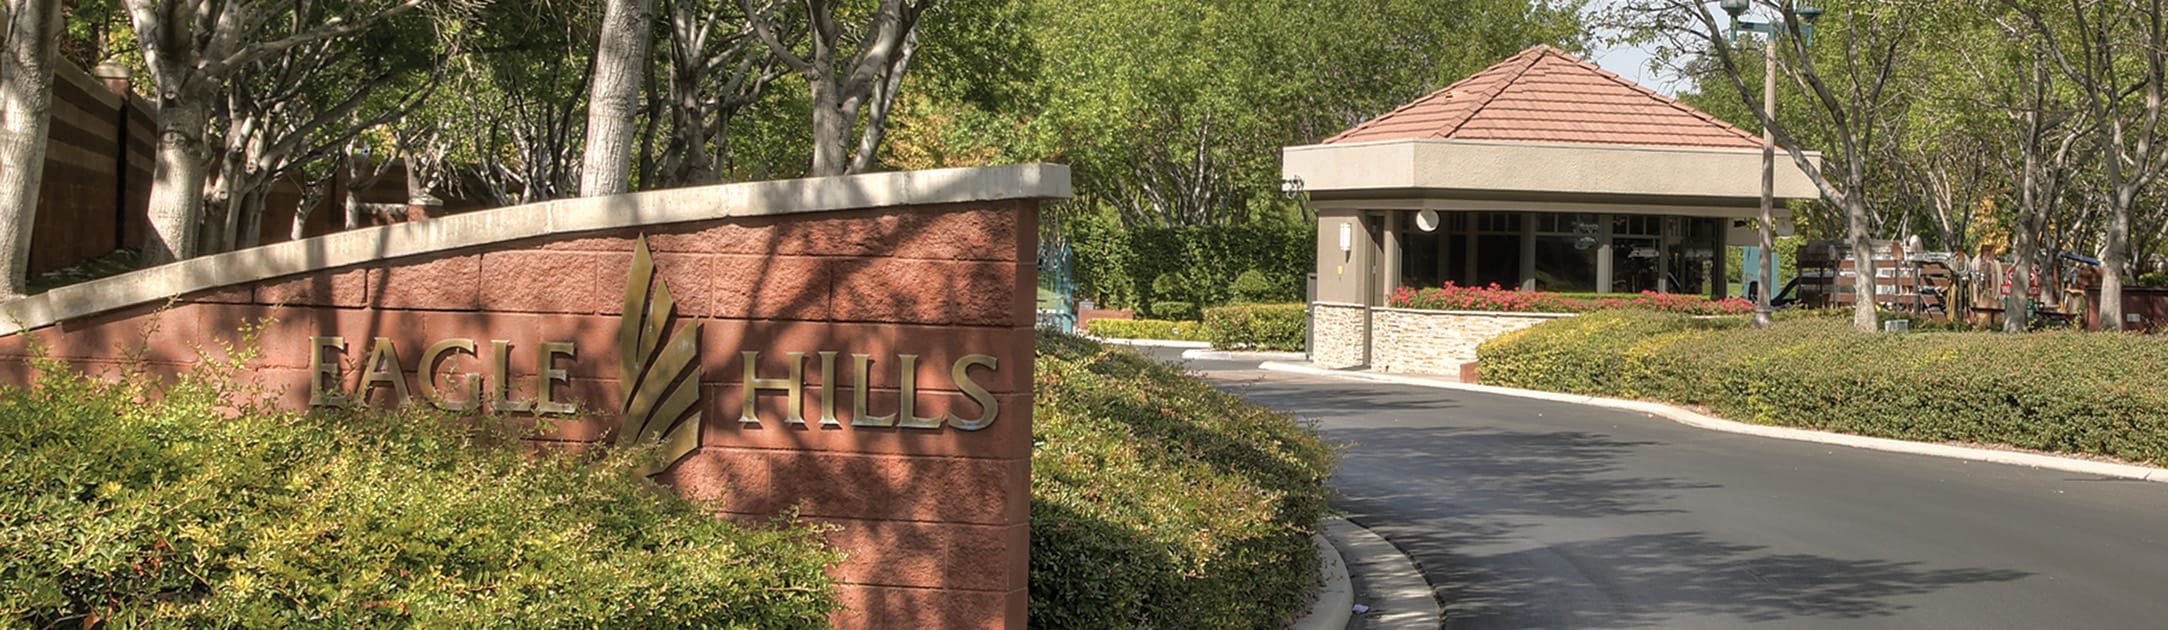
(934,519)
(85,189)
(89,205)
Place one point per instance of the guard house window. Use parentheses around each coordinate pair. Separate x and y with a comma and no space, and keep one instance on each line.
(1636,253)
(1431,259)
(1690,259)
(1566,249)
(1497,252)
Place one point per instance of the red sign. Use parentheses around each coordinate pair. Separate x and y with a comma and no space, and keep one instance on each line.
(2032,289)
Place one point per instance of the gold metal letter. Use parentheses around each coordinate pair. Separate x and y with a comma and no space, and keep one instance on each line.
(326,389)
(427,378)
(859,416)
(795,384)
(962,373)
(384,368)
(547,376)
(828,390)
(501,379)
(906,408)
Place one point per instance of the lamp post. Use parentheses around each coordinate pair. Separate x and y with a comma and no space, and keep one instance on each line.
(1807,11)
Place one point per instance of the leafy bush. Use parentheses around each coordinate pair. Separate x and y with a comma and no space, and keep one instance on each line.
(1170,287)
(1184,311)
(1144,329)
(1495,299)
(203,510)
(2068,392)
(1116,265)
(2153,280)
(1254,286)
(1261,326)
(1158,501)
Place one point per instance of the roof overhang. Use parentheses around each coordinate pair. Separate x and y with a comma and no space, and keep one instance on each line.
(1496,172)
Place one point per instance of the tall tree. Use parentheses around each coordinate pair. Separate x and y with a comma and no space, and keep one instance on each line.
(1173,112)
(621,59)
(2112,55)
(191,48)
(1855,106)
(26,112)
(849,71)
(285,112)
(717,68)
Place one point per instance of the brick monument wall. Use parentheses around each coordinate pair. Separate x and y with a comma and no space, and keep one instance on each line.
(934,519)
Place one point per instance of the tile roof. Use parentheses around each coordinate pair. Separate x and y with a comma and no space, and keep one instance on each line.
(1543,94)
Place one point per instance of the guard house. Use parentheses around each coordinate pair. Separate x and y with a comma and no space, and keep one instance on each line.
(1543,172)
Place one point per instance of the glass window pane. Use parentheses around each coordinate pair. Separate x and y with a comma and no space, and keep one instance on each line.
(1498,260)
(1635,265)
(1566,263)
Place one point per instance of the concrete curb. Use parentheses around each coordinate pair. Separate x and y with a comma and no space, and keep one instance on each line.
(1241,355)
(1701,421)
(1394,589)
(1151,343)
(1335,595)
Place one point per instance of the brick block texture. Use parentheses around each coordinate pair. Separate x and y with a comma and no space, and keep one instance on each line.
(934,520)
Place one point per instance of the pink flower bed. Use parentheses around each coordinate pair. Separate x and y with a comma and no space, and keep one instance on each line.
(1493,298)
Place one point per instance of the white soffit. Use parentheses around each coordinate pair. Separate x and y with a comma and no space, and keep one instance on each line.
(1497,170)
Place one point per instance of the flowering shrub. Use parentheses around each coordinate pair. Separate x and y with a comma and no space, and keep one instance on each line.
(1493,298)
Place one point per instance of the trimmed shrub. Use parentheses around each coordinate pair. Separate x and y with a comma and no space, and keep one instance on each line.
(1116,265)
(1254,286)
(1158,501)
(1495,299)
(2069,392)
(1144,329)
(200,509)
(1185,311)
(1260,326)
(1169,287)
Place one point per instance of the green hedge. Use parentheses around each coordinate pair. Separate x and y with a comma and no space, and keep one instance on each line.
(200,511)
(1145,329)
(2070,392)
(1119,267)
(1161,502)
(1259,326)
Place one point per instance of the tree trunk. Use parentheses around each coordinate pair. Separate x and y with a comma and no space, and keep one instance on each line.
(884,100)
(26,108)
(831,132)
(177,181)
(2022,243)
(2113,261)
(620,70)
(1863,267)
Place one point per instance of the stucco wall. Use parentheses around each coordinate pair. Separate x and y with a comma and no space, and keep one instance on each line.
(1438,342)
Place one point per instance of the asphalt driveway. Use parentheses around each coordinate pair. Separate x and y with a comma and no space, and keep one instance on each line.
(1534,514)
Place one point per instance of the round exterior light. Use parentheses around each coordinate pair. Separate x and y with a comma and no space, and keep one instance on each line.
(1427,220)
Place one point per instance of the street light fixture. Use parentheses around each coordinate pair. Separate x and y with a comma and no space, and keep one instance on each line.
(1807,10)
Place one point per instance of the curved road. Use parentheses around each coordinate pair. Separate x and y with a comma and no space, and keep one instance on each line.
(1535,514)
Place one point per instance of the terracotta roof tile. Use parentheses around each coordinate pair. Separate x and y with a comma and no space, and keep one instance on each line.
(1544,94)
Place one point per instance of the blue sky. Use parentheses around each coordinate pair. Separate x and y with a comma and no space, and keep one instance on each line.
(1632,63)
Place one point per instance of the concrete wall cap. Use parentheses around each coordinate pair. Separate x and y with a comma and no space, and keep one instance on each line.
(563,216)
(1505,314)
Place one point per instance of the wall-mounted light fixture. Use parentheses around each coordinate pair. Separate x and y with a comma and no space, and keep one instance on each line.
(1347,237)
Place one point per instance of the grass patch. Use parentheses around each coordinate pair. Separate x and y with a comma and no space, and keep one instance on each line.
(113,263)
